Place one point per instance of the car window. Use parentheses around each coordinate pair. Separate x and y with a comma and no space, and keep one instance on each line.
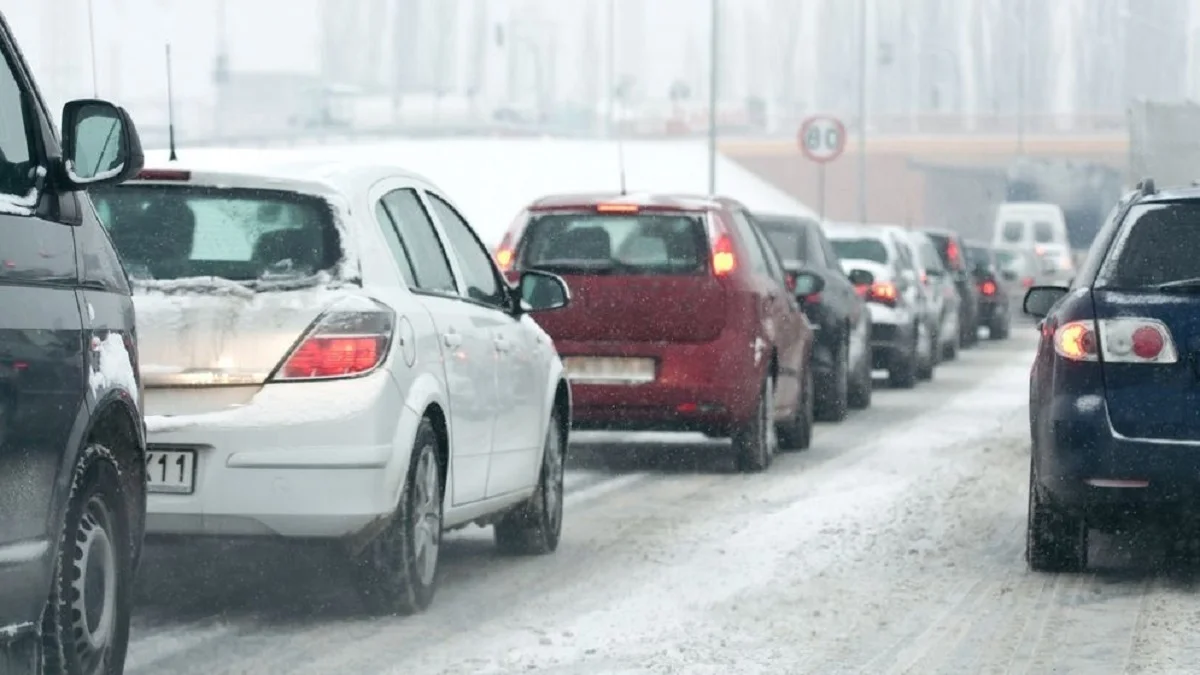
(770,255)
(832,259)
(1013,231)
(1160,243)
(758,262)
(431,268)
(860,248)
(392,237)
(482,279)
(180,231)
(789,241)
(16,165)
(1043,232)
(615,244)
(930,257)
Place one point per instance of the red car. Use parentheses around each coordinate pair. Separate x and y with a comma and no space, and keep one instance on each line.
(681,317)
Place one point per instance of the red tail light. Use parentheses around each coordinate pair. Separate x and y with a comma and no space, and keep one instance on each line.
(504,258)
(988,288)
(349,340)
(863,291)
(952,254)
(1075,341)
(724,262)
(1027,282)
(1136,340)
(883,292)
(163,174)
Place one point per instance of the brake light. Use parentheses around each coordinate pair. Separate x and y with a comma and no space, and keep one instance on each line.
(504,258)
(1027,282)
(350,339)
(952,253)
(988,288)
(723,259)
(883,292)
(1136,340)
(863,291)
(163,174)
(1075,341)
(617,208)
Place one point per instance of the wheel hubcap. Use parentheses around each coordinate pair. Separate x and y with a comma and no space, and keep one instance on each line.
(427,515)
(554,474)
(93,601)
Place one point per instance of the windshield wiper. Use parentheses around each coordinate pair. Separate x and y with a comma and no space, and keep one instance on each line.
(1192,284)
(576,266)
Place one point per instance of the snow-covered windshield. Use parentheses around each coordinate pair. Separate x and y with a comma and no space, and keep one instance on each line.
(167,232)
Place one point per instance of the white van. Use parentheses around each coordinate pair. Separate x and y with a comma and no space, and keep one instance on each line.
(1038,228)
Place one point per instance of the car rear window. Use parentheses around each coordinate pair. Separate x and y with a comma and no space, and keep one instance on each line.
(1013,231)
(1161,244)
(863,248)
(790,242)
(600,243)
(1043,232)
(173,232)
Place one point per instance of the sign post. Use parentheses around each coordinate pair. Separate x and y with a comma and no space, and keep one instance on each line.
(822,139)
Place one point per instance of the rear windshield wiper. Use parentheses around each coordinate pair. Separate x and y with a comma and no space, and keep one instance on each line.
(1182,285)
(576,266)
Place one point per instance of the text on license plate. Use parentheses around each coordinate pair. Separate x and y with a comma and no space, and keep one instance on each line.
(609,370)
(171,470)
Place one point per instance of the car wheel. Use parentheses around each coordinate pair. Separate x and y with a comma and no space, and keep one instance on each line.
(797,434)
(1056,541)
(534,527)
(999,329)
(832,401)
(85,628)
(925,370)
(859,396)
(903,371)
(950,349)
(397,572)
(756,441)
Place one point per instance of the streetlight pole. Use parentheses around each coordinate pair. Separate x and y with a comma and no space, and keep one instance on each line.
(862,112)
(713,81)
(611,83)
(1023,78)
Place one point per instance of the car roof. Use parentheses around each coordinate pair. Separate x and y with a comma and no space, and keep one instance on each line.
(939,232)
(844,230)
(1174,194)
(665,201)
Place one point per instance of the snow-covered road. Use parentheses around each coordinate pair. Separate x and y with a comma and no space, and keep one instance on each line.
(893,546)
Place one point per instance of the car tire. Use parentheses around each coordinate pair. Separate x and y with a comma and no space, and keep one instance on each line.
(903,371)
(95,559)
(861,388)
(999,330)
(797,434)
(950,349)
(832,402)
(969,335)
(1056,541)
(397,572)
(925,369)
(756,441)
(535,527)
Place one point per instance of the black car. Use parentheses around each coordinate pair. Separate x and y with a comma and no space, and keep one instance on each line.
(994,293)
(72,438)
(842,356)
(1114,396)
(951,248)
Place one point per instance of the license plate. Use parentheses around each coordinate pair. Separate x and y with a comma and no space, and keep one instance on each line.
(172,471)
(609,370)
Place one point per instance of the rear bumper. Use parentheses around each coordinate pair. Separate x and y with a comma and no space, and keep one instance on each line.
(280,467)
(992,310)
(24,583)
(891,335)
(1082,463)
(707,387)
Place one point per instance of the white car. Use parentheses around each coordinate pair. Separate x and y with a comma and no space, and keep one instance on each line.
(329,352)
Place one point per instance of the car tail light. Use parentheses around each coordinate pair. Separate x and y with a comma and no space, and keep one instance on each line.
(988,288)
(504,258)
(350,339)
(163,174)
(617,208)
(952,254)
(883,292)
(724,261)
(1075,341)
(1136,340)
(1027,282)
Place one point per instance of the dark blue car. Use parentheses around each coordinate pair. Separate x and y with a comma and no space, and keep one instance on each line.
(1114,397)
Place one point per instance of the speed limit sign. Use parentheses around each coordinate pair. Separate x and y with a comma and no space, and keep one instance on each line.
(822,139)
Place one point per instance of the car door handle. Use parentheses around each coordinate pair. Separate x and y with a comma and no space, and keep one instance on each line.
(452,340)
(502,344)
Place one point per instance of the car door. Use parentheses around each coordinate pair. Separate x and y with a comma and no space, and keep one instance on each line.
(466,353)
(783,322)
(520,378)
(42,367)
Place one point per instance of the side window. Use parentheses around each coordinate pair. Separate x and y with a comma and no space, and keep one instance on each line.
(399,252)
(16,166)
(815,245)
(835,261)
(770,256)
(431,269)
(483,282)
(929,252)
(758,262)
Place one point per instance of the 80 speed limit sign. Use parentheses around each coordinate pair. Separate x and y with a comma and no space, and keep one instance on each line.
(822,139)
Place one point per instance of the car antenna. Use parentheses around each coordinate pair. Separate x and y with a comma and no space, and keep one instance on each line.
(621,162)
(170,108)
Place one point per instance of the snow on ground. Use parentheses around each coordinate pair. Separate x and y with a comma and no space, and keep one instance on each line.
(893,546)
(492,180)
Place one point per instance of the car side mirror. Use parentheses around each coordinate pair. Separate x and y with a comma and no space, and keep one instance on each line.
(861,277)
(542,291)
(1039,300)
(101,145)
(807,284)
